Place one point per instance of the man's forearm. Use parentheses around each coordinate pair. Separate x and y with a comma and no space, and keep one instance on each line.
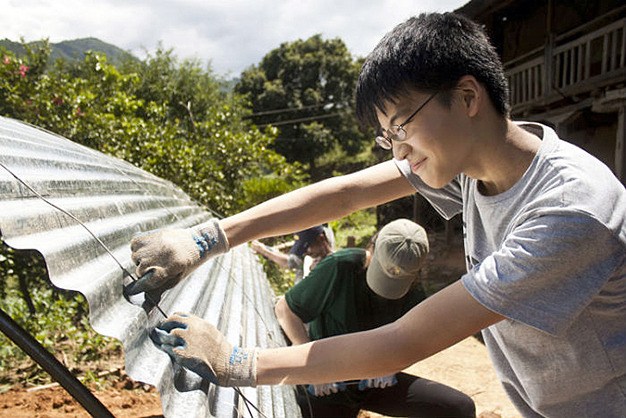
(346,357)
(435,324)
(274,255)
(317,203)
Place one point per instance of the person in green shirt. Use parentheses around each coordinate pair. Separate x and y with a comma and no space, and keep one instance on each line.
(355,290)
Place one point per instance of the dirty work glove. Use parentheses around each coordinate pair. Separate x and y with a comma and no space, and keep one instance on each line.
(166,256)
(378,382)
(324,389)
(198,346)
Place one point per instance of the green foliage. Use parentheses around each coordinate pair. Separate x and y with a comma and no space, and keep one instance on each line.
(168,117)
(280,280)
(60,324)
(306,89)
(360,225)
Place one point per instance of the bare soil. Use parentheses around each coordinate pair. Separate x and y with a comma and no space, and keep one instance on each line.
(122,397)
(464,366)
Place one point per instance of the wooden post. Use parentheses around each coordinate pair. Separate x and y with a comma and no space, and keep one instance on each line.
(620,145)
(548,71)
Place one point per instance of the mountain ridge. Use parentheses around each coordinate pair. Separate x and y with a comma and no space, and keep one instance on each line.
(73,50)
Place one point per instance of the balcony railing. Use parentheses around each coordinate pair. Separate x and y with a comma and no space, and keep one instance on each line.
(591,61)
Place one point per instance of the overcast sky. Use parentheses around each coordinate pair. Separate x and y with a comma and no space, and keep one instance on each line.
(230,34)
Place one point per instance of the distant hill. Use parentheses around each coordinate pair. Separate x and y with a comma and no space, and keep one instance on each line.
(75,50)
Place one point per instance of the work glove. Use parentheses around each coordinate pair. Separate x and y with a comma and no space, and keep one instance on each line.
(324,389)
(378,382)
(198,346)
(166,256)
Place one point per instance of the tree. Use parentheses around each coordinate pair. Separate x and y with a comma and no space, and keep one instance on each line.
(306,89)
(168,117)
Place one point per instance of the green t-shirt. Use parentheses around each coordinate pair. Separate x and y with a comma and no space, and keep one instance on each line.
(335,299)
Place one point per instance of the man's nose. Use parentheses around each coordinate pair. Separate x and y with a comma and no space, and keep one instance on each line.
(400,150)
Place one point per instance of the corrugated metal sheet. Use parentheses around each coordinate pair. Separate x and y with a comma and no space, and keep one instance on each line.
(115,200)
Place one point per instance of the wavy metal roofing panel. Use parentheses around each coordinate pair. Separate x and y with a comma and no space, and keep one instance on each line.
(108,200)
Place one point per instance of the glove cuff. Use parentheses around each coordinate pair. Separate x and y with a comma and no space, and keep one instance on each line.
(241,367)
(210,238)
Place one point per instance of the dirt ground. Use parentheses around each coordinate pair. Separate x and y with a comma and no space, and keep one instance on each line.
(122,397)
(464,366)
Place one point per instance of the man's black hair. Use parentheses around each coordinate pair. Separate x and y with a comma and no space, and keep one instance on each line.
(429,53)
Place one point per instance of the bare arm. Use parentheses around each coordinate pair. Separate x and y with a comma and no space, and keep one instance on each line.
(318,203)
(291,323)
(161,252)
(435,324)
(272,254)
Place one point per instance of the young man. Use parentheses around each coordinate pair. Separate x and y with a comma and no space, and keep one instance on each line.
(310,247)
(349,292)
(544,227)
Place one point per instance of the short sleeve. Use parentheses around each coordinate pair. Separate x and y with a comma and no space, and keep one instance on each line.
(547,271)
(448,201)
(309,297)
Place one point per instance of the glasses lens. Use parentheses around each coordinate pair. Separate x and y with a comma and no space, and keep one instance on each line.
(383,142)
(397,133)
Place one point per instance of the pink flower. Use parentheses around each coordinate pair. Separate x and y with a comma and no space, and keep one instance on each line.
(23,70)
(6,60)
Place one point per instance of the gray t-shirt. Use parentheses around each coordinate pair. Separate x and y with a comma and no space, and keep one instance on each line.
(549,254)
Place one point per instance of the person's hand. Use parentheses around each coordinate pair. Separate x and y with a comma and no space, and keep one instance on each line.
(324,389)
(378,382)
(198,346)
(165,257)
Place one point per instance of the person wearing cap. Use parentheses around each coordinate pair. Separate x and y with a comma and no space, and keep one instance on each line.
(311,245)
(358,289)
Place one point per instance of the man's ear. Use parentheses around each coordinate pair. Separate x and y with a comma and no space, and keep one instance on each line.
(472,94)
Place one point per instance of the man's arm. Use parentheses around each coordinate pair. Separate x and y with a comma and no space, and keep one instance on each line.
(271,253)
(165,257)
(291,323)
(435,324)
(318,203)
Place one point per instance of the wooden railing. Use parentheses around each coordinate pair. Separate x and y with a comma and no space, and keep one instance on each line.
(588,62)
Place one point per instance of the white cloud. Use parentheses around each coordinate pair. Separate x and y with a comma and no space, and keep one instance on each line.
(232,35)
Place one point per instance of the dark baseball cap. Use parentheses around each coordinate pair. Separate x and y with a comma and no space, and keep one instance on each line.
(399,251)
(304,239)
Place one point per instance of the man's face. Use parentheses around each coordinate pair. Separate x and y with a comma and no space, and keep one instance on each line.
(437,146)
(317,248)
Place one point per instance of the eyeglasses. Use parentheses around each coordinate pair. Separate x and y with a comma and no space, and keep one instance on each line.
(397,132)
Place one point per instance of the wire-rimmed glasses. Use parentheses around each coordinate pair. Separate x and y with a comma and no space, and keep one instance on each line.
(397,132)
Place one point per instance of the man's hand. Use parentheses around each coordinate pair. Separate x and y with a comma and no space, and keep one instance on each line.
(324,389)
(198,346)
(165,257)
(378,382)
